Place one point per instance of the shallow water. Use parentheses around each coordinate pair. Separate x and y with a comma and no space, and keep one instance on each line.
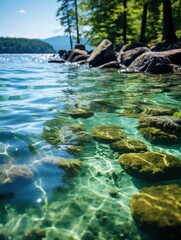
(95,203)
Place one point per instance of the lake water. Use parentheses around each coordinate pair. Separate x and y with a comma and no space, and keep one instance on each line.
(93,204)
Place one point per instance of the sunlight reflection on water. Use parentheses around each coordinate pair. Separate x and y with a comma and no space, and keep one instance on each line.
(95,203)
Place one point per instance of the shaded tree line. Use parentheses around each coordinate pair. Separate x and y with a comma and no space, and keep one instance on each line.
(121,20)
(23,45)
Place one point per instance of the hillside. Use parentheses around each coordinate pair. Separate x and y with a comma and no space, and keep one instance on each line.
(62,42)
(23,45)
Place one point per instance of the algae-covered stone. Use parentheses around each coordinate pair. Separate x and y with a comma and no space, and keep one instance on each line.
(35,234)
(177,114)
(168,124)
(72,166)
(59,132)
(159,111)
(134,112)
(151,166)
(157,136)
(11,172)
(128,146)
(81,113)
(103,106)
(157,210)
(107,134)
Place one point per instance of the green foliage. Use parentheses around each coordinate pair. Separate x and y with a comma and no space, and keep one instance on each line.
(101,19)
(23,45)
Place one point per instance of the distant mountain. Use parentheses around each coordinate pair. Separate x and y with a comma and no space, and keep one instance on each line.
(62,42)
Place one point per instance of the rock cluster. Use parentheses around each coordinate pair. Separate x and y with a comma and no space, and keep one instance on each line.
(136,57)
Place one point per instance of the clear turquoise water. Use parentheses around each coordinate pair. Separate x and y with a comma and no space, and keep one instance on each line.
(33,92)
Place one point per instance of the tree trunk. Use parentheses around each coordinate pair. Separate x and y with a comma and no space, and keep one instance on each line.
(168,27)
(124,21)
(77,22)
(178,16)
(143,23)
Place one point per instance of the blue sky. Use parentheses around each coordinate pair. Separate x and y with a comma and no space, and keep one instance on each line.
(29,18)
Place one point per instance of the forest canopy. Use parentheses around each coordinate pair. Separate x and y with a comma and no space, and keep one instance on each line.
(120,20)
(24,45)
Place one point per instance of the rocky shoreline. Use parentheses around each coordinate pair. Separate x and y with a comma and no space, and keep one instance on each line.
(134,57)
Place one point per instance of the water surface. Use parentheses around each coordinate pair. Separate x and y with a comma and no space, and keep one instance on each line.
(95,203)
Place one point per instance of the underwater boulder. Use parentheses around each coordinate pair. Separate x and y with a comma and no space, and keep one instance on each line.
(107,134)
(159,111)
(128,146)
(169,124)
(151,166)
(69,165)
(9,173)
(157,136)
(61,133)
(133,112)
(35,234)
(103,106)
(81,113)
(157,211)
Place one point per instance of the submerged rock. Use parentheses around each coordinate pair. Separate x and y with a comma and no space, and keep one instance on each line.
(72,166)
(81,113)
(35,234)
(177,114)
(128,146)
(107,134)
(61,133)
(157,211)
(159,111)
(103,106)
(157,136)
(11,172)
(134,112)
(168,124)
(151,166)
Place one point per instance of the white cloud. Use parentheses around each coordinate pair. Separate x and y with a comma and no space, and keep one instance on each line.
(22,11)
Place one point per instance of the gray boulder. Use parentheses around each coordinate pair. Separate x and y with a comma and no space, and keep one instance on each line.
(77,55)
(126,58)
(151,62)
(104,53)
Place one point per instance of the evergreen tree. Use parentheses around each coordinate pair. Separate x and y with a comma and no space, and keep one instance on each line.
(64,14)
(68,16)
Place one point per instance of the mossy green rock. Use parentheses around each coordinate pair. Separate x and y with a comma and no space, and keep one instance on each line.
(107,134)
(128,146)
(103,106)
(157,210)
(177,114)
(151,166)
(12,172)
(159,111)
(60,133)
(134,112)
(81,113)
(157,136)
(167,124)
(71,166)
